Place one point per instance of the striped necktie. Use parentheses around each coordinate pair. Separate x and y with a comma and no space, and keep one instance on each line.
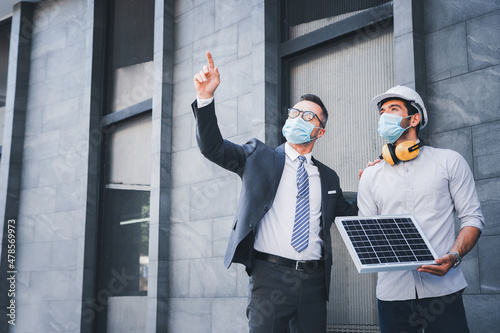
(300,235)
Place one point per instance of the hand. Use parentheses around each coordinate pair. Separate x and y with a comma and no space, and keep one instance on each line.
(444,264)
(368,165)
(207,80)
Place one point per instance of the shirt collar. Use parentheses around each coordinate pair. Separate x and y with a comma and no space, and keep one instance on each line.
(293,154)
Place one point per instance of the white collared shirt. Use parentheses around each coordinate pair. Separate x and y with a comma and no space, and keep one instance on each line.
(274,232)
(433,187)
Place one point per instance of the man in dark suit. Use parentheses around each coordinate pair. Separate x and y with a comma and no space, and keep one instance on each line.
(281,232)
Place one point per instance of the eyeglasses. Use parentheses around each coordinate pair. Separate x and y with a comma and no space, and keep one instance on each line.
(306,115)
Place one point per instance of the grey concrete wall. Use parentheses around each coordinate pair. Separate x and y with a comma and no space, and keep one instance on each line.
(54,171)
(204,295)
(462,57)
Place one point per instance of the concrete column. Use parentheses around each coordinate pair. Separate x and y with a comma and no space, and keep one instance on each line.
(159,226)
(13,141)
(409,45)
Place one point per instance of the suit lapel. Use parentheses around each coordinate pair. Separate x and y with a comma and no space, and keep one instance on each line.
(323,176)
(279,165)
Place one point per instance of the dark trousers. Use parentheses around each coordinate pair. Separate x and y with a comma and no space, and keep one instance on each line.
(283,300)
(444,314)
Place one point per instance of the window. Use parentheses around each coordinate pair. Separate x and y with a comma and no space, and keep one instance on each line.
(4,62)
(123,250)
(346,75)
(307,16)
(125,223)
(341,51)
(131,54)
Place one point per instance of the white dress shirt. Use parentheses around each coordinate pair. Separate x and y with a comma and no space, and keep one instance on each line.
(433,187)
(274,232)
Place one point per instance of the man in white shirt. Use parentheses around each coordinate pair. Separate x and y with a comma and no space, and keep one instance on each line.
(431,184)
(288,201)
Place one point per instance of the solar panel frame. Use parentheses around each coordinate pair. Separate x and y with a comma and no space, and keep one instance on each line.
(385,242)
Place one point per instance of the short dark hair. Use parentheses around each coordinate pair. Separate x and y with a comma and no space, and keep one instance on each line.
(411,109)
(315,99)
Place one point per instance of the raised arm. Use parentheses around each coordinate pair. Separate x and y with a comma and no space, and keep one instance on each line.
(222,152)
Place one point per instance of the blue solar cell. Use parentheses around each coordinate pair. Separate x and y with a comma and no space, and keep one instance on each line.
(385,240)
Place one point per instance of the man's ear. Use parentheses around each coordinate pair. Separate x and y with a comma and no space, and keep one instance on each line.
(415,120)
(321,132)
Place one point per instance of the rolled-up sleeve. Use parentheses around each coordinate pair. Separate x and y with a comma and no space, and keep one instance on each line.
(464,195)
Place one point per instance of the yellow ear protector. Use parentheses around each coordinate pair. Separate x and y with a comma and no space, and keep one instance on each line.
(405,151)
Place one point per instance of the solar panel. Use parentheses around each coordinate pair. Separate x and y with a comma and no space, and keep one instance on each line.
(385,243)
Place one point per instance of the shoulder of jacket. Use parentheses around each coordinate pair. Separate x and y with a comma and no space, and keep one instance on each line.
(324,167)
(255,144)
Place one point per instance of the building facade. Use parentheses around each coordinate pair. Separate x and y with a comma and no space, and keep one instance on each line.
(112,220)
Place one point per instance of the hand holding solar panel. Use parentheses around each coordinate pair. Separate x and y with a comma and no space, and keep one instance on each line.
(442,266)
(385,243)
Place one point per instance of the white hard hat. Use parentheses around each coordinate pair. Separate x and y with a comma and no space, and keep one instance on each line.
(407,94)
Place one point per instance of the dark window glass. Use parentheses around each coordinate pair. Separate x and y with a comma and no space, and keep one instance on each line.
(4,58)
(300,11)
(131,53)
(4,62)
(125,251)
(306,16)
(125,221)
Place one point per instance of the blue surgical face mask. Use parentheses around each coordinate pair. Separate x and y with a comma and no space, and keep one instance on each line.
(298,131)
(389,127)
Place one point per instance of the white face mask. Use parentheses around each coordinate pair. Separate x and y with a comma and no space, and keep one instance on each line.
(298,131)
(389,127)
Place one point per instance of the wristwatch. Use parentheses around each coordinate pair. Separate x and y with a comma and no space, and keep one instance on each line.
(458,261)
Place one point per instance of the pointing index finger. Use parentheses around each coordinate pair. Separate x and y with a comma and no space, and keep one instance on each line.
(210,61)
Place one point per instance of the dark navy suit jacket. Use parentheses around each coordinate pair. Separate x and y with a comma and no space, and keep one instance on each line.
(260,167)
